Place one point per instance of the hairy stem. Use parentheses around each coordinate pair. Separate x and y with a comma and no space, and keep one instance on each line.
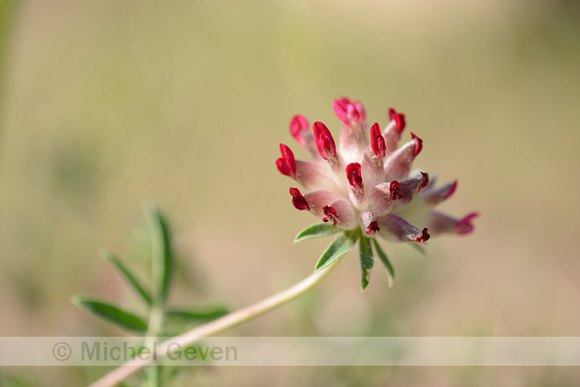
(214,327)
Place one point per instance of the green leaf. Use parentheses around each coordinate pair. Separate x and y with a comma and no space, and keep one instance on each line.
(126,275)
(418,247)
(366,260)
(317,231)
(161,257)
(340,246)
(385,261)
(200,314)
(112,313)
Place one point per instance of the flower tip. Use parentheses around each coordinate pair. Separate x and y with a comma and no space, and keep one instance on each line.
(418,145)
(372,228)
(464,226)
(298,200)
(298,125)
(286,164)
(378,141)
(283,167)
(451,189)
(399,119)
(350,113)
(394,189)
(353,173)
(331,215)
(340,107)
(360,109)
(324,141)
(424,181)
(424,237)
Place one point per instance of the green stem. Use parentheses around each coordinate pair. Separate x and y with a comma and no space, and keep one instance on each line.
(153,331)
(214,327)
(160,267)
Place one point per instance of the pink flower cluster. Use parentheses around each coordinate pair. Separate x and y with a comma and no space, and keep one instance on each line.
(367,185)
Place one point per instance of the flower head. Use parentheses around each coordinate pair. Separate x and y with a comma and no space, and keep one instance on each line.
(368,188)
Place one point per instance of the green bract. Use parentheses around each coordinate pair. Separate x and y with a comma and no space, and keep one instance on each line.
(345,241)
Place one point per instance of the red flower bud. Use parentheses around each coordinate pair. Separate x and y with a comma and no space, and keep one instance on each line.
(298,200)
(298,124)
(324,141)
(378,141)
(286,164)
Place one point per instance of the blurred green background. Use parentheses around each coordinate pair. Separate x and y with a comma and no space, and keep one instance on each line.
(105,104)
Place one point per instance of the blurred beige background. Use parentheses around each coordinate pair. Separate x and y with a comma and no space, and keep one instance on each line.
(106,104)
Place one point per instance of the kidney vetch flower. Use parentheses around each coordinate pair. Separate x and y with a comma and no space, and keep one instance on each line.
(365,189)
